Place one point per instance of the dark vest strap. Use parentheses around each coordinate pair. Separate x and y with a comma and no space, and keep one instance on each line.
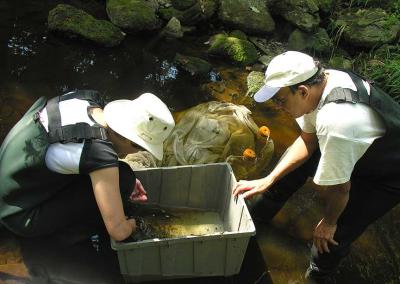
(342,95)
(74,132)
(87,95)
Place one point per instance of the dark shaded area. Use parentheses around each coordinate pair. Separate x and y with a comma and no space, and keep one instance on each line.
(47,64)
(93,261)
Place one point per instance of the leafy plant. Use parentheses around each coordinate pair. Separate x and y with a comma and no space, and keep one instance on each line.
(383,67)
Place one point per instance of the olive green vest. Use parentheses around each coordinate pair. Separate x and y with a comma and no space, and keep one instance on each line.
(25,181)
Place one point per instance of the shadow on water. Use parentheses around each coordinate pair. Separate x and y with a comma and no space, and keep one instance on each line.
(89,262)
(37,63)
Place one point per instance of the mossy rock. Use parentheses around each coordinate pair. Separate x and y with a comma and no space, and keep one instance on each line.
(239,51)
(252,17)
(301,13)
(318,42)
(77,23)
(135,15)
(367,27)
(341,62)
(238,34)
(255,80)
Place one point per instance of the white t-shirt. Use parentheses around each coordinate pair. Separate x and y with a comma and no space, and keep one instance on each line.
(344,131)
(77,158)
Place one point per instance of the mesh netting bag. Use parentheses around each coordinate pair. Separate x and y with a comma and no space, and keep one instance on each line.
(218,132)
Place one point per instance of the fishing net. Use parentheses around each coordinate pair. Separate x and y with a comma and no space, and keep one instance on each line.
(218,132)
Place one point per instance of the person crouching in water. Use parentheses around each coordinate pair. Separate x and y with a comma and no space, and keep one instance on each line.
(59,167)
(349,144)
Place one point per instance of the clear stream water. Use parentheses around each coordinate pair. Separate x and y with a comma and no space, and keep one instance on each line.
(37,63)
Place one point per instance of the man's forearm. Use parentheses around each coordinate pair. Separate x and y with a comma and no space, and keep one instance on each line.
(336,198)
(299,152)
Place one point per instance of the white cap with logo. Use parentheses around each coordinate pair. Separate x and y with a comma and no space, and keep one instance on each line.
(145,121)
(286,69)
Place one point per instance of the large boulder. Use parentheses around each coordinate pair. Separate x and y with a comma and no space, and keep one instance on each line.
(367,27)
(76,23)
(318,42)
(252,17)
(134,15)
(301,13)
(239,51)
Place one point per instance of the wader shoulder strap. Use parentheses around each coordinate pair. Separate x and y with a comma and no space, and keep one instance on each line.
(69,133)
(342,95)
(87,95)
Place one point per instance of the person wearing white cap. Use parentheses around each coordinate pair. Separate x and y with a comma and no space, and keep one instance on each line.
(348,144)
(60,169)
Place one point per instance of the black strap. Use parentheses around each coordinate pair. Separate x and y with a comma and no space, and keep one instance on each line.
(341,95)
(75,132)
(87,95)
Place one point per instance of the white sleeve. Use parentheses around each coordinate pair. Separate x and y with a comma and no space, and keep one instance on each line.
(305,123)
(64,158)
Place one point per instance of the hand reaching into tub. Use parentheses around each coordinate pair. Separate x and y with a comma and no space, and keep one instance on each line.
(138,193)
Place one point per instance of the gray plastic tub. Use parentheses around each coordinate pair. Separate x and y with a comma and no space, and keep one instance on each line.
(207,187)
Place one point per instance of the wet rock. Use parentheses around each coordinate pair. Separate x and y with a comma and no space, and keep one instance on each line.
(301,13)
(318,42)
(236,14)
(77,23)
(255,80)
(341,63)
(239,51)
(173,29)
(202,10)
(134,15)
(197,67)
(367,27)
(182,4)
(238,34)
(269,48)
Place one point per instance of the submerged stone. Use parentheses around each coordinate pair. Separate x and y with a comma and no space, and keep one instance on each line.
(77,23)
(195,66)
(239,51)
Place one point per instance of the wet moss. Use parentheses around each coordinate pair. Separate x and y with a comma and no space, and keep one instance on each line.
(77,23)
(133,14)
(239,51)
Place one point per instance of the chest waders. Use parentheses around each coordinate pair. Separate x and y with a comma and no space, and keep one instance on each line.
(381,163)
(25,181)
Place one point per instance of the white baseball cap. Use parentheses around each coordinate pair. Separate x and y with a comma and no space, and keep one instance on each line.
(145,121)
(286,69)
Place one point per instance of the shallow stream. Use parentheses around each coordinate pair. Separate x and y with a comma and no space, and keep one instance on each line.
(37,63)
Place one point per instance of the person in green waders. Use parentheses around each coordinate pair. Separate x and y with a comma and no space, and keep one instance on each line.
(59,168)
(349,144)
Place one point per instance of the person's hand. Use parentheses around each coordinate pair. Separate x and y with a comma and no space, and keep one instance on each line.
(250,188)
(323,234)
(132,224)
(138,193)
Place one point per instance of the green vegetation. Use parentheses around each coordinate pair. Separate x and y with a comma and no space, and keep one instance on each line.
(382,66)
